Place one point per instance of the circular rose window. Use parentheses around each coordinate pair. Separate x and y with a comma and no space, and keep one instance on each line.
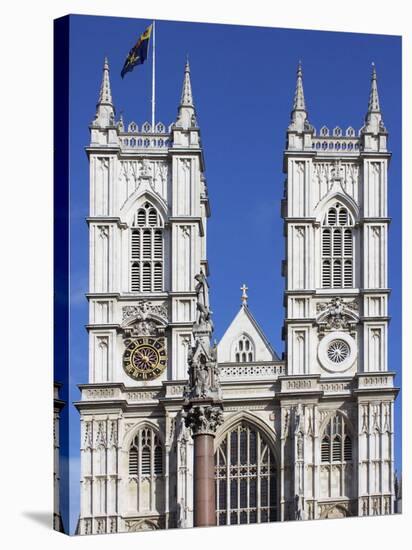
(338,351)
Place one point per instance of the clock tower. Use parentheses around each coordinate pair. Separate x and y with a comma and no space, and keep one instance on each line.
(147,227)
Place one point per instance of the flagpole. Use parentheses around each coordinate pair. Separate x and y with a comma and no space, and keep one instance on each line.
(153,76)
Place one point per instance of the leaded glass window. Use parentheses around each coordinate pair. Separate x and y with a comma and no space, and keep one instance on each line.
(246,480)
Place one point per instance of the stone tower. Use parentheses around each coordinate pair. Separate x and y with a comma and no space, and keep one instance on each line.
(147,226)
(336,317)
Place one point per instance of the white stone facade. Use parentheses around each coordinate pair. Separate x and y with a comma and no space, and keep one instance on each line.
(305,437)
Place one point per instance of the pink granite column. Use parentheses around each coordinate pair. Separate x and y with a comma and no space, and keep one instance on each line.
(204,481)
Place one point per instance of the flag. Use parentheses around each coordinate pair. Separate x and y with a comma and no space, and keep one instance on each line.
(138,53)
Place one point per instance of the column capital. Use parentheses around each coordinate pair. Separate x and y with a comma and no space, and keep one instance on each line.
(203,418)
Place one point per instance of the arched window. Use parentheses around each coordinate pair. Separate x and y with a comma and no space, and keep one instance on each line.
(336,445)
(244,350)
(147,251)
(337,248)
(145,491)
(246,480)
(146,454)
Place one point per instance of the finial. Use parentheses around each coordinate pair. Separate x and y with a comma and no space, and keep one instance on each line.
(299,99)
(186,113)
(105,109)
(244,298)
(299,116)
(121,122)
(373,119)
(373,105)
(187,98)
(105,96)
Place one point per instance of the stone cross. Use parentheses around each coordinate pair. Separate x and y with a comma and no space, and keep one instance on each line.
(244,288)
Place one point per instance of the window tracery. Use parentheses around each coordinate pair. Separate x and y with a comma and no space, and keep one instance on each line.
(147,251)
(337,248)
(246,480)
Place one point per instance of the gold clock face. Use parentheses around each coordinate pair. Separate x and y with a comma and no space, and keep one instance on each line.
(145,358)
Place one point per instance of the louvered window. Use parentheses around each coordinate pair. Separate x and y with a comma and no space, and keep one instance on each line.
(246,478)
(135,277)
(158,461)
(337,248)
(332,449)
(133,462)
(347,449)
(146,454)
(337,449)
(147,251)
(325,449)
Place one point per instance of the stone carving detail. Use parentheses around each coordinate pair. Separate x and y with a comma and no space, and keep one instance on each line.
(133,525)
(310,414)
(376,421)
(145,309)
(143,173)
(203,376)
(337,315)
(146,168)
(335,387)
(203,316)
(148,318)
(204,420)
(185,229)
(171,423)
(88,441)
(100,393)
(101,434)
(326,173)
(365,419)
(100,525)
(299,418)
(142,395)
(103,231)
(323,414)
(203,400)
(113,525)
(286,423)
(387,505)
(186,164)
(299,384)
(298,508)
(299,446)
(113,440)
(387,418)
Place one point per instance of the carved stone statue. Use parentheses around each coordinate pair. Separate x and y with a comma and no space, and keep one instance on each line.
(202,304)
(298,507)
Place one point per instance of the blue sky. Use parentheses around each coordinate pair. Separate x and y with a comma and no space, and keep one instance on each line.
(243,80)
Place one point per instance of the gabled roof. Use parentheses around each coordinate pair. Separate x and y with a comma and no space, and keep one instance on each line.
(245,323)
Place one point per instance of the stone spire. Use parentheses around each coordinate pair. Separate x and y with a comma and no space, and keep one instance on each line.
(299,99)
(105,108)
(186,112)
(105,96)
(299,115)
(373,119)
